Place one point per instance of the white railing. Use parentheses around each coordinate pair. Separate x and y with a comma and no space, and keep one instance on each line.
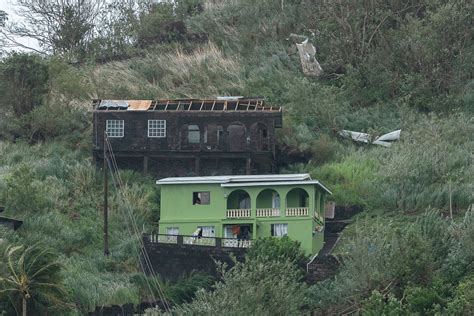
(297,211)
(164,239)
(203,241)
(238,213)
(268,212)
(235,243)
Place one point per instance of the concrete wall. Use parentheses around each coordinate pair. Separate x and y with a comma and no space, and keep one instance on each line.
(174,261)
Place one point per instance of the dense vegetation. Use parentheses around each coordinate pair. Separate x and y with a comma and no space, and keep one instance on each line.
(387,65)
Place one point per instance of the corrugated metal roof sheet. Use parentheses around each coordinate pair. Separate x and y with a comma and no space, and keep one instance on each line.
(234,179)
(139,105)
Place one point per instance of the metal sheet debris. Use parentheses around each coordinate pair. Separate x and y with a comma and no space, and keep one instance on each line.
(307,53)
(384,140)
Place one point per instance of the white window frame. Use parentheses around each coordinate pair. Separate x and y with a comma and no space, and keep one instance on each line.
(208,231)
(279,230)
(173,231)
(114,128)
(157,128)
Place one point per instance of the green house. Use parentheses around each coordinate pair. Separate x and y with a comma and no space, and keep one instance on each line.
(239,209)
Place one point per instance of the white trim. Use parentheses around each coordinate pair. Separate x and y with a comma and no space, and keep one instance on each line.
(258,184)
(159,128)
(115,128)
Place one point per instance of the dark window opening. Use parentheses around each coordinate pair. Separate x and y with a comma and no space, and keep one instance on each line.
(201,198)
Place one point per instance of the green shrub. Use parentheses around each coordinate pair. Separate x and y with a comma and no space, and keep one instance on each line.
(277,249)
(252,288)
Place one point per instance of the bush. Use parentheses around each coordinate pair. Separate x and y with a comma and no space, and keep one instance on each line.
(277,249)
(252,288)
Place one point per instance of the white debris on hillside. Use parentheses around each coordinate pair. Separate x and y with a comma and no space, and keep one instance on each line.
(384,140)
(307,53)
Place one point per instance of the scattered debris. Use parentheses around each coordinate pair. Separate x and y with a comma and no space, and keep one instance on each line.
(307,52)
(384,140)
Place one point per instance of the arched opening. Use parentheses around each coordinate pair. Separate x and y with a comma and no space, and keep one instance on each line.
(268,203)
(297,202)
(297,197)
(214,137)
(259,137)
(238,199)
(237,137)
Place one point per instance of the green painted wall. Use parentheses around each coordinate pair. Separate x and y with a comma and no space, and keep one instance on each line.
(177,210)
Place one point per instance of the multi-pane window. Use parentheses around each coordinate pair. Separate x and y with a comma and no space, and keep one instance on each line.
(114,128)
(156,128)
(279,230)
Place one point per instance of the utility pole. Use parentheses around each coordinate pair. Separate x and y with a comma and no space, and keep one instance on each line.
(106,192)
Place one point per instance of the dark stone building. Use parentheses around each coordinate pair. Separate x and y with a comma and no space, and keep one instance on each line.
(189,137)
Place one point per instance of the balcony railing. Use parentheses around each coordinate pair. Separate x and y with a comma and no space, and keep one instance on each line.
(238,213)
(197,241)
(297,211)
(268,212)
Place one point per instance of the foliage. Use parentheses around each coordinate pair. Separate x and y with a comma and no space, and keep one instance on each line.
(378,304)
(23,83)
(252,288)
(185,289)
(32,279)
(389,268)
(429,166)
(277,249)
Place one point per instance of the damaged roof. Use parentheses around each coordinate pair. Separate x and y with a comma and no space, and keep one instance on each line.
(218,104)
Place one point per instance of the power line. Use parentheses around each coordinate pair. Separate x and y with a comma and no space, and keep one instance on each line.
(132,226)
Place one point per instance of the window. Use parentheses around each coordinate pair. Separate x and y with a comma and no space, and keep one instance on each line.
(172,230)
(156,128)
(279,230)
(275,200)
(194,136)
(201,198)
(114,128)
(244,201)
(208,231)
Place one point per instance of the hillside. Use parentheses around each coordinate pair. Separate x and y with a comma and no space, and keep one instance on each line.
(405,65)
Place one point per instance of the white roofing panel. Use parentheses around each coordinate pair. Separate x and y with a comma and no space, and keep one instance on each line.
(240,179)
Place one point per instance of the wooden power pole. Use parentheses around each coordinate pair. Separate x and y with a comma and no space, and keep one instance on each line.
(106,193)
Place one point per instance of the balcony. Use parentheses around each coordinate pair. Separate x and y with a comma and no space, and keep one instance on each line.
(197,241)
(297,211)
(239,213)
(268,212)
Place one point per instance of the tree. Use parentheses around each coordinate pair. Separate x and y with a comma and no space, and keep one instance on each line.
(59,26)
(3,20)
(32,278)
(23,83)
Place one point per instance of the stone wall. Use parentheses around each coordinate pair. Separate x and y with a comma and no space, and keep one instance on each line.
(175,261)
